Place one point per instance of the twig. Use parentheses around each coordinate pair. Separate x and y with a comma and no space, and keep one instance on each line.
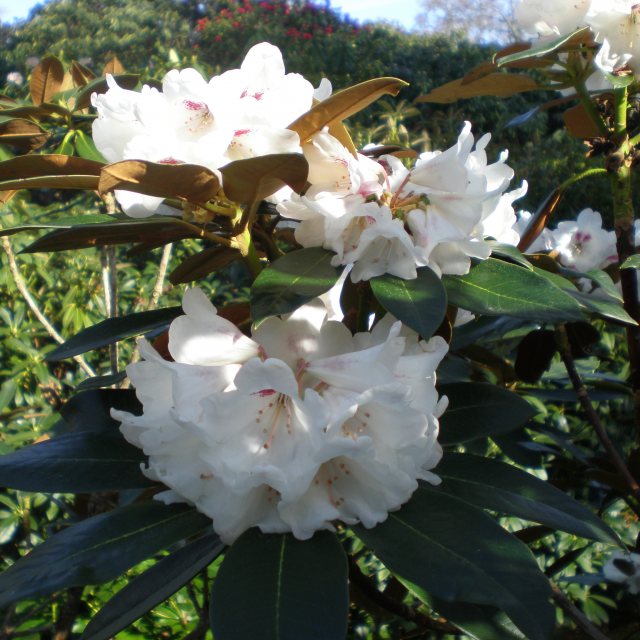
(31,303)
(576,615)
(110,288)
(162,274)
(393,606)
(562,340)
(10,633)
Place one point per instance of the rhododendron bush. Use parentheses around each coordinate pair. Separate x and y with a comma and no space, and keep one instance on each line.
(360,420)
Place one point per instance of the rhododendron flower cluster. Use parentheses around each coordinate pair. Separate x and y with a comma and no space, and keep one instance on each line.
(378,216)
(582,244)
(298,426)
(241,113)
(385,218)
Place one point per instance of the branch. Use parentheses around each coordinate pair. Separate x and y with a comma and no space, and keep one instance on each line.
(162,274)
(110,288)
(31,303)
(394,606)
(576,615)
(562,340)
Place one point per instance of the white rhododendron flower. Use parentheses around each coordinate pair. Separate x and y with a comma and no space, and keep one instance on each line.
(617,22)
(300,425)
(544,242)
(549,18)
(583,244)
(242,113)
(384,218)
(501,223)
(625,569)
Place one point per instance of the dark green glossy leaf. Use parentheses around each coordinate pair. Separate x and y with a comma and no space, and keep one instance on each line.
(420,303)
(606,308)
(60,223)
(201,264)
(603,280)
(294,589)
(153,587)
(509,252)
(114,329)
(494,485)
(535,353)
(479,622)
(520,447)
(99,549)
(494,287)
(292,281)
(82,236)
(78,462)
(101,382)
(477,410)
(458,553)
(91,410)
(484,329)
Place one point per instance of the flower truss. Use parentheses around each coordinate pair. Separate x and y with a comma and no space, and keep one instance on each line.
(241,113)
(385,218)
(299,426)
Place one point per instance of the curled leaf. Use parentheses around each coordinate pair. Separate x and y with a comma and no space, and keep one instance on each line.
(343,104)
(186,181)
(46,80)
(113,67)
(257,178)
(81,75)
(492,84)
(23,134)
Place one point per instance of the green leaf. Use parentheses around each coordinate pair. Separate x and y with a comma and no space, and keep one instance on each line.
(113,330)
(477,410)
(292,281)
(604,282)
(78,462)
(542,49)
(153,587)
(458,553)
(420,303)
(501,487)
(99,549)
(294,589)
(479,622)
(509,252)
(632,262)
(85,236)
(606,308)
(201,264)
(91,410)
(494,287)
(86,148)
(100,382)
(60,223)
